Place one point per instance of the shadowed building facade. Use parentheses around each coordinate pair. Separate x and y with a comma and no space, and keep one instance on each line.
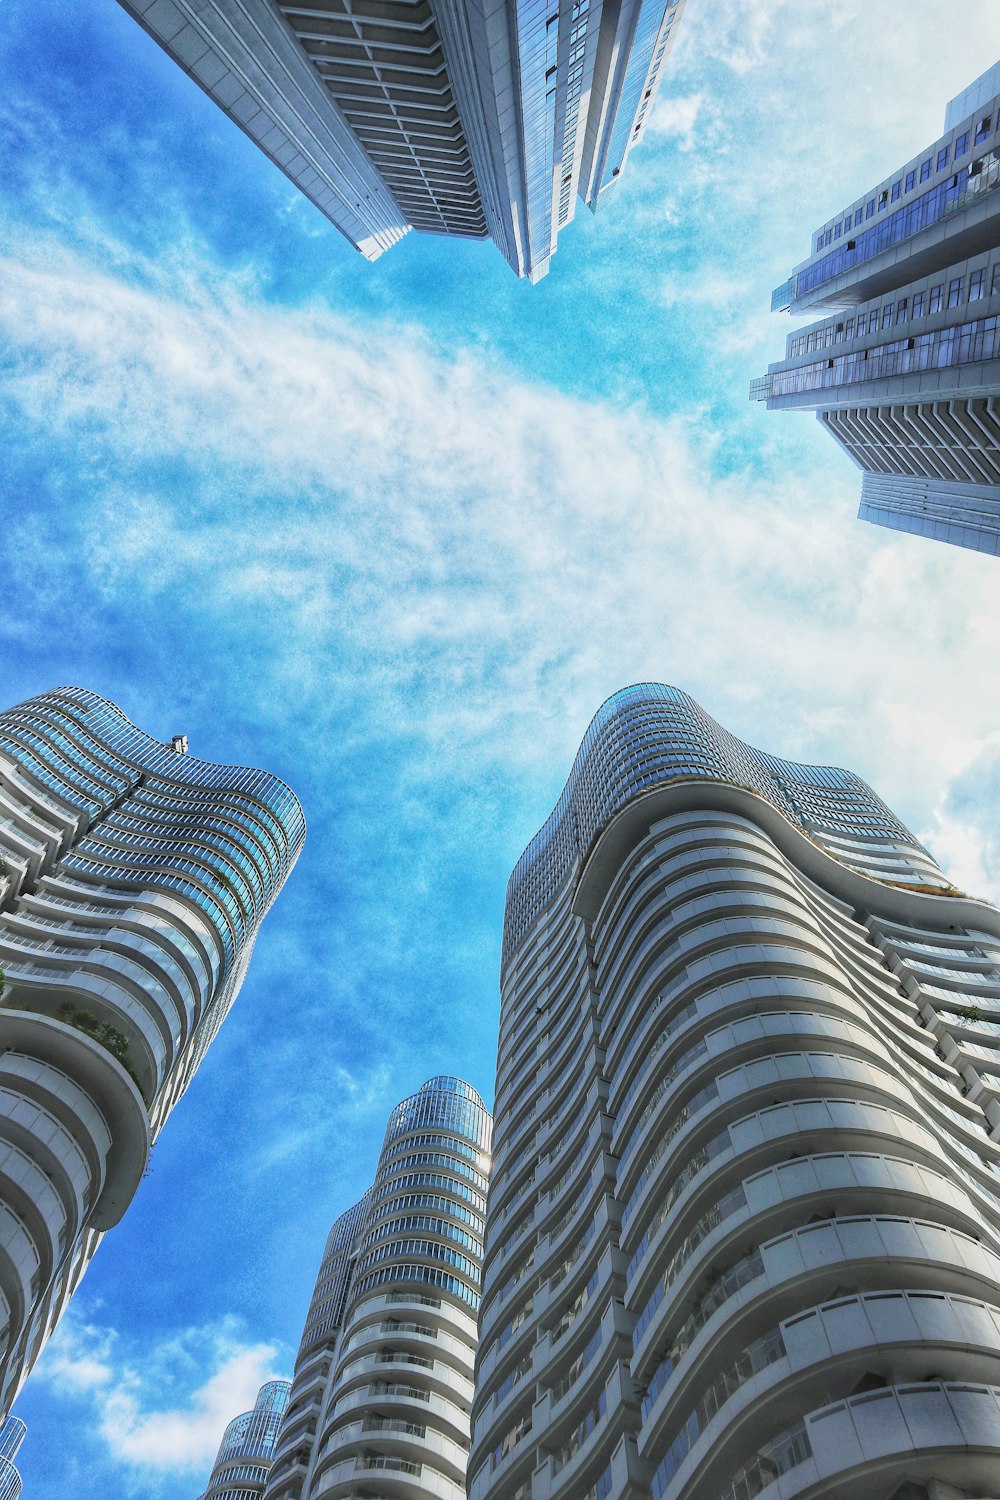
(382,1389)
(134,878)
(906,373)
(743,1232)
(473,118)
(247,1448)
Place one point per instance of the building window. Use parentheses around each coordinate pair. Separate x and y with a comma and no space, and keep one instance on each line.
(911,178)
(837,230)
(955,289)
(887,315)
(936,300)
(819,242)
(847,224)
(983,128)
(883,199)
(862,324)
(859,215)
(918,305)
(942,157)
(849,329)
(962,143)
(901,310)
(925,169)
(870,209)
(897,188)
(995,284)
(977,286)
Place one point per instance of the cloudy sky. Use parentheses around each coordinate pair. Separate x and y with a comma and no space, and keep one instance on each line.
(394,532)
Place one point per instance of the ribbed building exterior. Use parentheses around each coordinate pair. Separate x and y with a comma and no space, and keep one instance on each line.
(905,374)
(473,118)
(743,1234)
(133,881)
(12,1434)
(382,1393)
(247,1448)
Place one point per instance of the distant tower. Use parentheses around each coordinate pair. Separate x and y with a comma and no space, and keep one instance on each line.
(383,1380)
(11,1437)
(247,1447)
(133,881)
(906,373)
(457,117)
(743,1235)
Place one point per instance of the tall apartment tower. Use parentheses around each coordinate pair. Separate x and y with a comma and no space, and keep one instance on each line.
(906,372)
(461,117)
(382,1393)
(133,882)
(743,1233)
(247,1448)
(12,1433)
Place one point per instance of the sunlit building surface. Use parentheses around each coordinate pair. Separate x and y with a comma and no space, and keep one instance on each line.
(461,117)
(743,1233)
(382,1391)
(133,880)
(905,373)
(247,1448)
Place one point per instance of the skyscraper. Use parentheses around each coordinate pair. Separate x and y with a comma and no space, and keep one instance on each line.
(247,1448)
(743,1232)
(463,117)
(906,373)
(134,880)
(383,1379)
(11,1437)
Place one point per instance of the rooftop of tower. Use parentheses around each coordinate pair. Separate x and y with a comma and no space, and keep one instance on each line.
(650,735)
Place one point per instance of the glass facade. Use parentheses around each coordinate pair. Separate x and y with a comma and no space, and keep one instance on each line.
(383,1378)
(915,256)
(447,117)
(247,1448)
(136,877)
(12,1433)
(650,735)
(745,1153)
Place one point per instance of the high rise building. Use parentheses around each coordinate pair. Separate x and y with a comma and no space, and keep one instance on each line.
(462,117)
(12,1434)
(743,1232)
(247,1448)
(133,882)
(382,1391)
(905,373)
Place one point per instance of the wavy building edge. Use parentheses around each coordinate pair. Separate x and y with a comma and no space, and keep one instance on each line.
(134,880)
(746,1098)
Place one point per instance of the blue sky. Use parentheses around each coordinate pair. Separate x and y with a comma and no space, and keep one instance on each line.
(394,532)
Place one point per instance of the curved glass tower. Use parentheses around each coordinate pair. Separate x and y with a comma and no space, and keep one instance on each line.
(383,1381)
(12,1433)
(132,884)
(247,1447)
(743,1234)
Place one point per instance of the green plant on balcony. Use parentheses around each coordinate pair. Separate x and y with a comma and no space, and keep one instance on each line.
(103,1032)
(969,1012)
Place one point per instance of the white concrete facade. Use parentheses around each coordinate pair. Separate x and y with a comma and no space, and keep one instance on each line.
(382,1392)
(743,1234)
(134,879)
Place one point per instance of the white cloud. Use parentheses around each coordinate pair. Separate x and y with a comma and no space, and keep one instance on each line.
(473,555)
(162,1411)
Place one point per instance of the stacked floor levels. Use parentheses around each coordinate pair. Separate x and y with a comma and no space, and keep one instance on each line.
(906,373)
(133,881)
(471,118)
(743,1234)
(381,1398)
(244,1458)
